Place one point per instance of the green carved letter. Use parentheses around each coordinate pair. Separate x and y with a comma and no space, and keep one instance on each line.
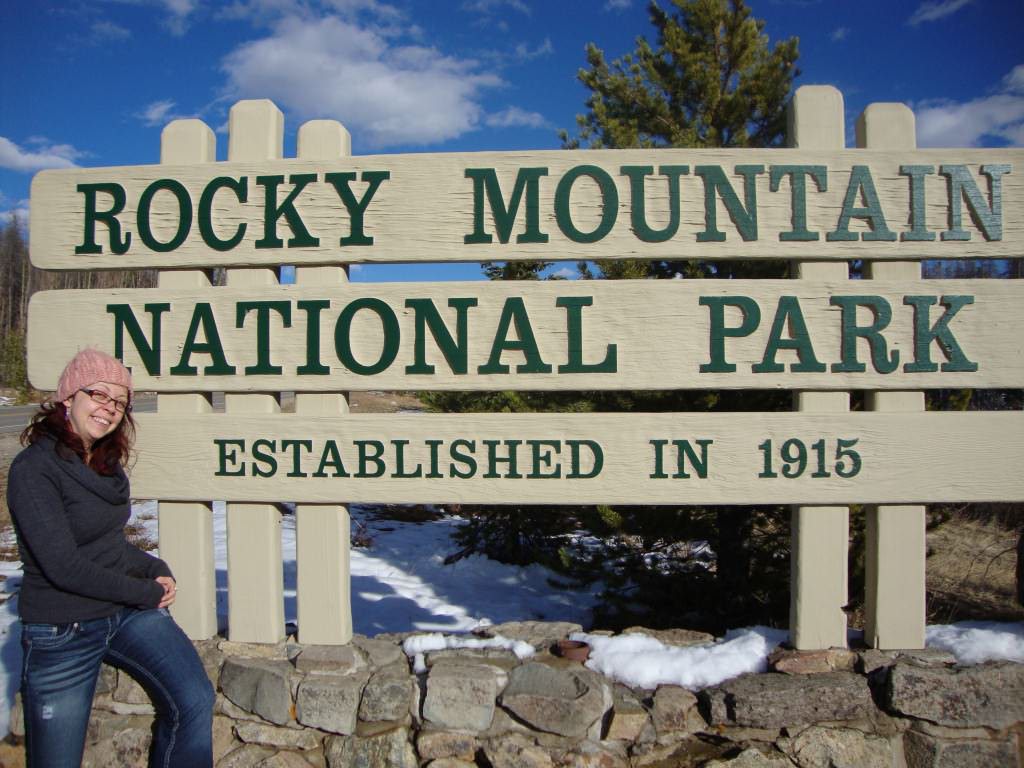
(241,189)
(356,208)
(486,179)
(574,325)
(514,311)
(961,186)
(638,203)
(744,216)
(343,333)
(202,316)
(609,203)
(124,318)
(177,189)
(798,196)
(788,315)
(718,331)
(861,184)
(918,226)
(118,245)
(272,212)
(263,365)
(880,359)
(924,335)
(455,352)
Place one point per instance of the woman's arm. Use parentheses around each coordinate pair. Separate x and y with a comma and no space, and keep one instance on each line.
(142,563)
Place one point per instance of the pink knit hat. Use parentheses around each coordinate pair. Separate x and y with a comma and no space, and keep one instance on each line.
(89,367)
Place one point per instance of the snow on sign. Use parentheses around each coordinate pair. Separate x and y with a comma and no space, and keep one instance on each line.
(665,203)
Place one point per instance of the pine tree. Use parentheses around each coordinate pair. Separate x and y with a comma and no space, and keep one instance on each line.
(710,79)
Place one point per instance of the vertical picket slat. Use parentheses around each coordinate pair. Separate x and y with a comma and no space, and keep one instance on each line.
(895,546)
(820,535)
(255,569)
(186,529)
(323,534)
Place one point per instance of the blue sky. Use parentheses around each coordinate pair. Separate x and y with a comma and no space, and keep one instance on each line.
(93,82)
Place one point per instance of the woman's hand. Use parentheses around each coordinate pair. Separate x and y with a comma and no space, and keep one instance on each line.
(170,590)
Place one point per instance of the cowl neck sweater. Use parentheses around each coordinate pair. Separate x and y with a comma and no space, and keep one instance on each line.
(70,525)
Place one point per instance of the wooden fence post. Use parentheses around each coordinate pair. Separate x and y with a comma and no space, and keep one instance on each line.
(820,535)
(186,528)
(255,568)
(895,545)
(324,604)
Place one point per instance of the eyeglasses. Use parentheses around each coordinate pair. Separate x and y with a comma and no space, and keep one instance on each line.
(102,398)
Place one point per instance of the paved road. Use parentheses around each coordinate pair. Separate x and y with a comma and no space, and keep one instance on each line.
(13,418)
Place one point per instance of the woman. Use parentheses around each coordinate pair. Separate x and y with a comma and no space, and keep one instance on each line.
(88,595)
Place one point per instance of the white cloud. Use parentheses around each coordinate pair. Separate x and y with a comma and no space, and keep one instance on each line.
(839,33)
(159,113)
(155,113)
(617,5)
(933,10)
(44,155)
(514,117)
(494,6)
(19,211)
(566,273)
(268,12)
(525,53)
(948,123)
(108,32)
(1014,81)
(389,94)
(178,14)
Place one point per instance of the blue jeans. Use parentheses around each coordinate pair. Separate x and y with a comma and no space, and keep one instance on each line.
(62,664)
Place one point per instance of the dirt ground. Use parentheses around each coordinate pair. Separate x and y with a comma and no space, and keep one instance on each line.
(970,570)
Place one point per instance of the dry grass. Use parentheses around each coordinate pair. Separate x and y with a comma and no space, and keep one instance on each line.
(971,572)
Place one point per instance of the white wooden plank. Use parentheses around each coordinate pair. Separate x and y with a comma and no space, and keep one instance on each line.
(255,565)
(904,458)
(425,208)
(186,528)
(323,531)
(661,333)
(895,541)
(819,582)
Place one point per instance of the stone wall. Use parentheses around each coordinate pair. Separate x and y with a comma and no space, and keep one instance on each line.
(362,705)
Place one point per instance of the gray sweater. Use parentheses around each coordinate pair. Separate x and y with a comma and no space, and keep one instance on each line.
(70,524)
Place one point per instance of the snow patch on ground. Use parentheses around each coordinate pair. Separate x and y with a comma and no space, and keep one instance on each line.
(641,661)
(418,645)
(973,642)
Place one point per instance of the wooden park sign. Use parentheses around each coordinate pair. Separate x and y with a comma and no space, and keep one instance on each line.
(822,334)
(660,204)
(557,335)
(721,458)
(635,334)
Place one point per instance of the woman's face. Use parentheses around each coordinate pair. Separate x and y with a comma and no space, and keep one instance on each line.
(90,420)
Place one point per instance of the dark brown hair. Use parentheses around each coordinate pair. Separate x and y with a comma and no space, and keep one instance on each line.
(109,452)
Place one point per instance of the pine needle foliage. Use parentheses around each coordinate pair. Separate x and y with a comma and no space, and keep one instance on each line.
(709,79)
